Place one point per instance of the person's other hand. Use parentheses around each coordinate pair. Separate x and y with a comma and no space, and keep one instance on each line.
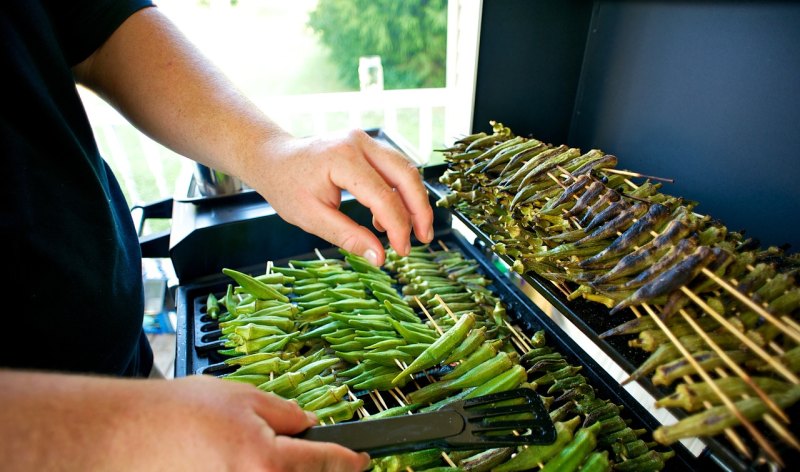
(302,178)
(76,422)
(204,423)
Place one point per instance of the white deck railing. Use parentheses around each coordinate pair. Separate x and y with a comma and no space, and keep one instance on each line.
(140,163)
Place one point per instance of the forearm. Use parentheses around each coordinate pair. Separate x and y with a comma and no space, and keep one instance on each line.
(155,77)
(64,422)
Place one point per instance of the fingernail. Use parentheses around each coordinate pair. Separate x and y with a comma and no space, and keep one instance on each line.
(371,256)
(408,249)
(366,458)
(430,234)
(312,417)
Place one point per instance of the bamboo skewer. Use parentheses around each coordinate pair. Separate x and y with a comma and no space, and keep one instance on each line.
(759,438)
(428,315)
(729,432)
(752,305)
(734,366)
(779,429)
(780,368)
(790,328)
(517,336)
(446,308)
(637,174)
(397,398)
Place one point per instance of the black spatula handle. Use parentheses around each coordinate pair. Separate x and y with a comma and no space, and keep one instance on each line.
(391,435)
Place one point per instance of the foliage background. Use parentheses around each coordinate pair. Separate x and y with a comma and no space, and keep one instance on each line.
(410,37)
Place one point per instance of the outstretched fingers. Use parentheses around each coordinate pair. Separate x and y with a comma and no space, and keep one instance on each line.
(402,175)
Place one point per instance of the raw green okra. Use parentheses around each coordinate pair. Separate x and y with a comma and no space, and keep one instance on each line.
(284,324)
(255,287)
(252,379)
(388,357)
(437,351)
(485,351)
(328,328)
(379,382)
(574,453)
(319,366)
(596,462)
(332,395)
(394,411)
(341,411)
(283,384)
(310,384)
(528,458)
(263,367)
(414,332)
(649,462)
(414,349)
(390,344)
(252,331)
(508,380)
(555,375)
(475,338)
(212,306)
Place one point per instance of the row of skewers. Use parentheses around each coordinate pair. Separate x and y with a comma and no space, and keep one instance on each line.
(717,313)
(341,338)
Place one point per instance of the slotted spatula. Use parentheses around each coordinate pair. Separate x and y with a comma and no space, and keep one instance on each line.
(474,423)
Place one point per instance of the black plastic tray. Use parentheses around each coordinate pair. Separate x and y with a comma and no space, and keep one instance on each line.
(196,339)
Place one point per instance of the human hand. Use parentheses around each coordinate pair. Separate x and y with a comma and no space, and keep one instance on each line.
(75,422)
(204,423)
(303,178)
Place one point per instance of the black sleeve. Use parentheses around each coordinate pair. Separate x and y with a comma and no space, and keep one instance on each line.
(82,26)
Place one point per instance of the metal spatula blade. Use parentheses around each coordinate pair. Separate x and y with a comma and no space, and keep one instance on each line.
(510,418)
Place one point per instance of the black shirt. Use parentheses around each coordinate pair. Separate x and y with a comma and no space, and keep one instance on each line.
(72,291)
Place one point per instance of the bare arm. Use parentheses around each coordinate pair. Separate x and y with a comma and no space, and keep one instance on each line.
(71,422)
(151,73)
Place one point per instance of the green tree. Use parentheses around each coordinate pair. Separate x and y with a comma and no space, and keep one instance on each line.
(410,37)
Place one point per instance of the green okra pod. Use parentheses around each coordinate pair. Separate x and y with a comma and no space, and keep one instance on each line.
(379,382)
(341,411)
(255,331)
(566,383)
(475,338)
(255,287)
(332,395)
(649,462)
(388,357)
(508,380)
(252,379)
(283,383)
(530,457)
(212,306)
(387,344)
(485,460)
(319,366)
(414,349)
(394,411)
(596,462)
(555,375)
(264,367)
(440,348)
(309,384)
(574,453)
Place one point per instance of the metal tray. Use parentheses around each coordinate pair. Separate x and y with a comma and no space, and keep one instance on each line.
(197,338)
